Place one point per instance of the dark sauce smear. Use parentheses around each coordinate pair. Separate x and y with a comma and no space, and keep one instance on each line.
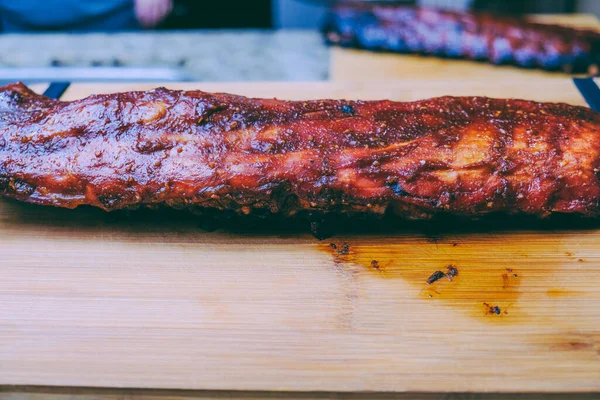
(436,276)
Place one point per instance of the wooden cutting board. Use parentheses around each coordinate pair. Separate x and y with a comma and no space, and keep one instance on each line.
(348,64)
(151,300)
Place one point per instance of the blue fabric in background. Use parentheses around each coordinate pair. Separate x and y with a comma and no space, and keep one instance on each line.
(69,15)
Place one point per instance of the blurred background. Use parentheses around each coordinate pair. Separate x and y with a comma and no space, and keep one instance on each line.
(164,40)
(80,15)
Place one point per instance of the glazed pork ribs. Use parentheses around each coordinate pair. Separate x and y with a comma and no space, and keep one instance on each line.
(465,156)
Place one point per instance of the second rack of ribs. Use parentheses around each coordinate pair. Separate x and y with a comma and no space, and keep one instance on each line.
(498,39)
(453,155)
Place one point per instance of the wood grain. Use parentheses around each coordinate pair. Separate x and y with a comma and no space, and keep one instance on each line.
(150,300)
(348,64)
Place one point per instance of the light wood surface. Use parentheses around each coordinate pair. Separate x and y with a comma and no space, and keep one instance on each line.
(51,393)
(150,300)
(349,64)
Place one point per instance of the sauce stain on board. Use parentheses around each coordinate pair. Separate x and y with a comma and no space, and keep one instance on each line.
(490,275)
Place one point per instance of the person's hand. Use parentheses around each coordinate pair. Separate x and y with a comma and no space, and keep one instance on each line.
(150,12)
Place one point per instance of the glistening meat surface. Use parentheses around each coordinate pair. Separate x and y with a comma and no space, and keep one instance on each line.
(477,36)
(454,155)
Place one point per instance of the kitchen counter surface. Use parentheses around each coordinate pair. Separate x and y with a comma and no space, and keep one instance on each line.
(242,55)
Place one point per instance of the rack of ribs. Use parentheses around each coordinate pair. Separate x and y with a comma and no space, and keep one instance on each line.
(476,36)
(463,156)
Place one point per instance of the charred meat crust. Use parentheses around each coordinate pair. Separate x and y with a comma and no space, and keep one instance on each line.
(477,36)
(465,156)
